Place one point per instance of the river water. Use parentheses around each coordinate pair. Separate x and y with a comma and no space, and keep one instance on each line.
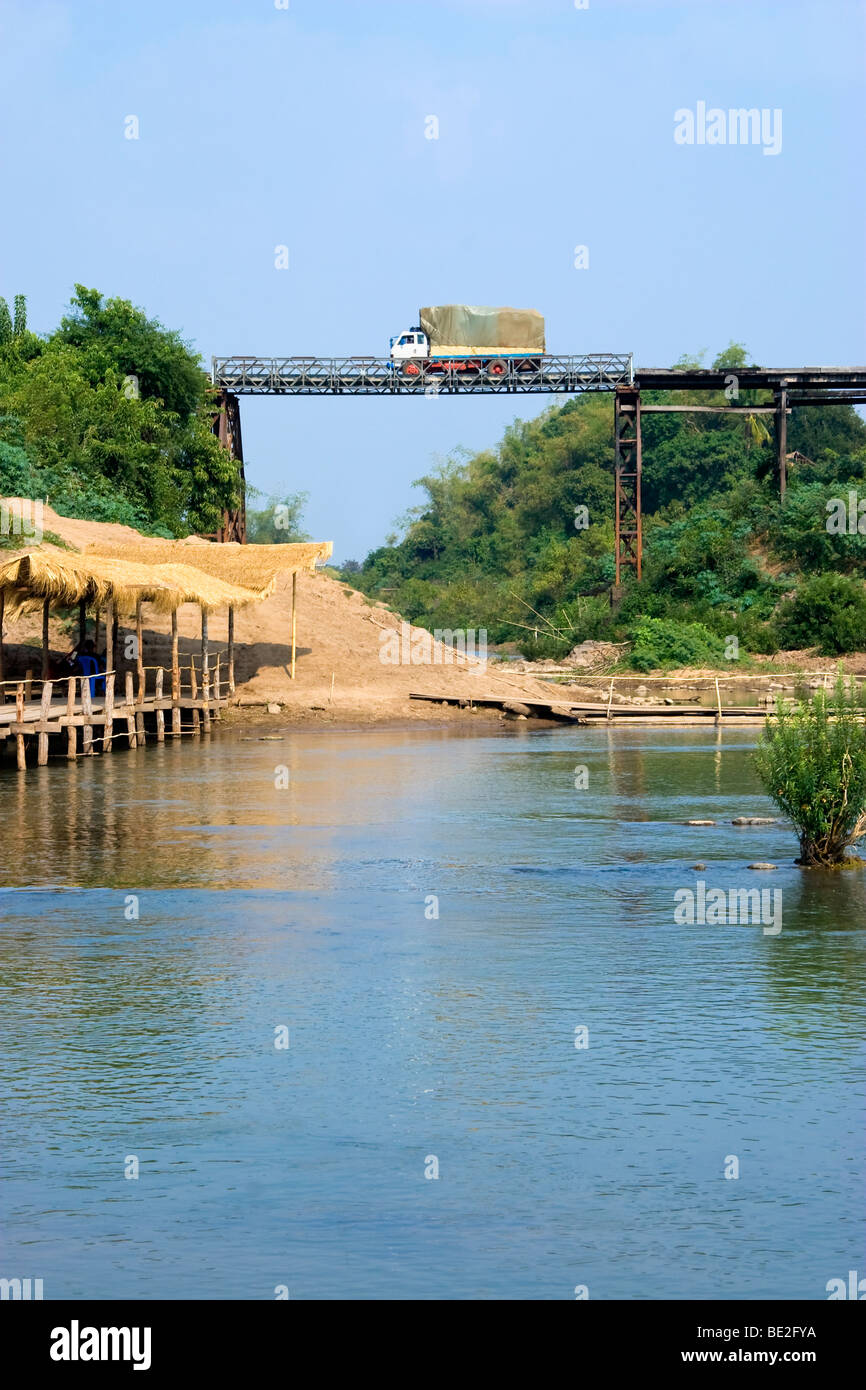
(306,913)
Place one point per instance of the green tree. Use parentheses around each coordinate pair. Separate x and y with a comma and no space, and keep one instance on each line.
(112,334)
(94,444)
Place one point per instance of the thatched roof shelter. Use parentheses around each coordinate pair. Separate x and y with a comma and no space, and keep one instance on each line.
(120,577)
(253,567)
(67,579)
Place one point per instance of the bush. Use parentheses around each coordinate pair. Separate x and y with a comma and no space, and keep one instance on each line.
(660,642)
(812,762)
(829,612)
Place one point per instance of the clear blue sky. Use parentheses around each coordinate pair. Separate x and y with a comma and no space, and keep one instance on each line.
(305,127)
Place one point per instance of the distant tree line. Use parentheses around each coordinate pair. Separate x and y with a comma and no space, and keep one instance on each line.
(519,538)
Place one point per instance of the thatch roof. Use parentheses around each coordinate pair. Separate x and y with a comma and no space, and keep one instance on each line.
(253,567)
(66,579)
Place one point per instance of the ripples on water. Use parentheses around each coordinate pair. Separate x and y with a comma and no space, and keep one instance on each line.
(412,1036)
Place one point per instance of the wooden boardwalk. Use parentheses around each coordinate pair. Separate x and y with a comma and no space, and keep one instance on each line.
(584,712)
(69,719)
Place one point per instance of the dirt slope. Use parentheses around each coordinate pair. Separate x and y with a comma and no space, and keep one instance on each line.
(340,637)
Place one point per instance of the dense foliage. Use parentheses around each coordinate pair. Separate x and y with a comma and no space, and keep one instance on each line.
(812,762)
(828,611)
(519,539)
(109,417)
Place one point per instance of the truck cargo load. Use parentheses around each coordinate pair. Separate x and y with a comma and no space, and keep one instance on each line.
(473,328)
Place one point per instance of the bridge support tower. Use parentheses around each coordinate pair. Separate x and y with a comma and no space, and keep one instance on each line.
(227,428)
(627,455)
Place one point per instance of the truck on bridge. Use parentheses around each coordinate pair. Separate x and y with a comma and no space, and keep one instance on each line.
(469,338)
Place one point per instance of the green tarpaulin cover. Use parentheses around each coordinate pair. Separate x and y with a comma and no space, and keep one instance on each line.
(471,325)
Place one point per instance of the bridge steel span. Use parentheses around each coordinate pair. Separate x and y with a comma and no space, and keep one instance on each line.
(610,372)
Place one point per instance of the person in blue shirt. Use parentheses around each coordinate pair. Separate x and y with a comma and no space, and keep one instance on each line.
(88,664)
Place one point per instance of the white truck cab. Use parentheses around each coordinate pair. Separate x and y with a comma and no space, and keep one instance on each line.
(409,345)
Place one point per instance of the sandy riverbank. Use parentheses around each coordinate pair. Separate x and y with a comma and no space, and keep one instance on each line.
(341,677)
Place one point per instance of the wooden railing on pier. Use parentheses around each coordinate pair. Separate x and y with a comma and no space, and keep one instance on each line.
(191,691)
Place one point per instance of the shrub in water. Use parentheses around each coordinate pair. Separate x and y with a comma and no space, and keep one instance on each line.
(812,762)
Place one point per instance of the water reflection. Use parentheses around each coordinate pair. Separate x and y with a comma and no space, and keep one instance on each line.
(151,1031)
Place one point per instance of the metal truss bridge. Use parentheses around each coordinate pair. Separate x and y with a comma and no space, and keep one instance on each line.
(377,376)
(787,387)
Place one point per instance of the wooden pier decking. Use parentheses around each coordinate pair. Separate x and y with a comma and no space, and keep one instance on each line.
(127,717)
(589,712)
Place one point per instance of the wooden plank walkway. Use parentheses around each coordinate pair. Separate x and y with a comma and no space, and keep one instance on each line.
(66,706)
(582,712)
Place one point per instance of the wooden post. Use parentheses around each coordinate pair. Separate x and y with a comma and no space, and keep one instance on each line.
(111,661)
(160,715)
(294,618)
(82,621)
(71,738)
(130,716)
(138,651)
(231,648)
(28,684)
(44,716)
(175,679)
(193,689)
(610,698)
(46,606)
(109,628)
(87,711)
(19,719)
(108,726)
(205,671)
(96,631)
(718,703)
(2,662)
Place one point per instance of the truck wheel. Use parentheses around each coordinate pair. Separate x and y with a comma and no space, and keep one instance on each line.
(497,369)
(413,371)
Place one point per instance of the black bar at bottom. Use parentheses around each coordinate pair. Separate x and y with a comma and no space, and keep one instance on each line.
(56,1340)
